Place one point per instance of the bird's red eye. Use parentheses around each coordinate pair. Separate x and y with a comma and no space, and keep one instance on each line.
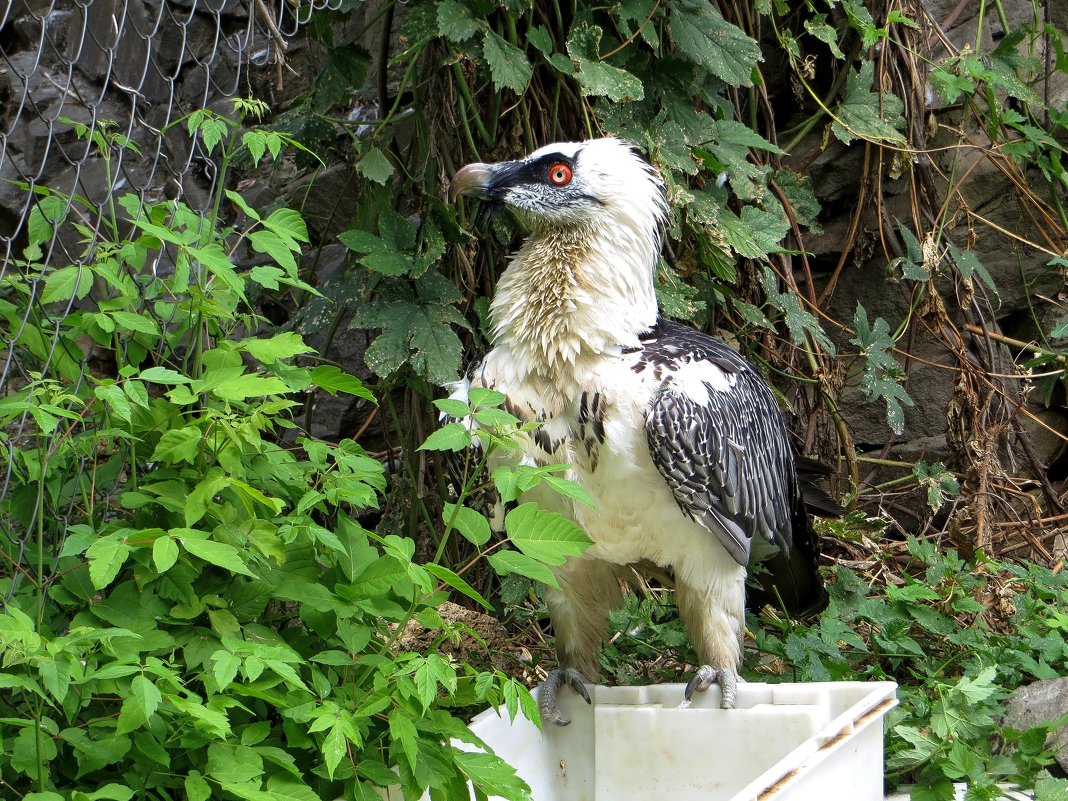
(559,175)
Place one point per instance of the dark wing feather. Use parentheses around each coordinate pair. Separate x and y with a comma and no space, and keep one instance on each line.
(729,462)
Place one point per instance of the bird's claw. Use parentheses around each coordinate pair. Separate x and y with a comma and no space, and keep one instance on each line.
(550,691)
(706,676)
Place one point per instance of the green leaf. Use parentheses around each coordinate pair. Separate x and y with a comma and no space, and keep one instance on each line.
(178,445)
(402,731)
(882,374)
(196,788)
(139,705)
(275,348)
(67,284)
(453,407)
(818,27)
(374,166)
(196,503)
(595,76)
(245,386)
(506,562)
(449,577)
(414,335)
(450,437)
(455,22)
(509,67)
(547,536)
(130,321)
(707,39)
(110,792)
(799,322)
(334,380)
(164,553)
(116,400)
(492,775)
(106,557)
(866,114)
(289,225)
(381,256)
(569,489)
(217,553)
(164,375)
(334,748)
(471,524)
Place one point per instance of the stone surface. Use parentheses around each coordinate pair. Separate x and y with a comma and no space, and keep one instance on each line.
(1038,703)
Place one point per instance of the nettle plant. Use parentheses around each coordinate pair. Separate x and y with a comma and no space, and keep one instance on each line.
(193,606)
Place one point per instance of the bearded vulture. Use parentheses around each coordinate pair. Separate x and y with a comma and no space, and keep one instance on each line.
(676,437)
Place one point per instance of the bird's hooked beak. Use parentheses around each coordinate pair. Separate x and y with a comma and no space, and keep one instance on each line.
(474,179)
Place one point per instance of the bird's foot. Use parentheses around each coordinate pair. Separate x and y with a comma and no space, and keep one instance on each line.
(549,693)
(706,676)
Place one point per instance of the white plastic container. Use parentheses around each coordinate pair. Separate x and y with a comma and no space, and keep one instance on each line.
(783,742)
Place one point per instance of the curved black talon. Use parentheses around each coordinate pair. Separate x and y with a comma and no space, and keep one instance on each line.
(549,694)
(704,678)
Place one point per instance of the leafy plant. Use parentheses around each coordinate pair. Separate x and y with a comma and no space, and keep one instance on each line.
(956,635)
(195,606)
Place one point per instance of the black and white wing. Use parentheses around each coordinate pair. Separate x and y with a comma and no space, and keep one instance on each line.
(717,436)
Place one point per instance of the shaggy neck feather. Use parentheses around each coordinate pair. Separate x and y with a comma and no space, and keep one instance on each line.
(570,297)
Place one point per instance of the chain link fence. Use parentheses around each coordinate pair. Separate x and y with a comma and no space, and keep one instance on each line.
(94,97)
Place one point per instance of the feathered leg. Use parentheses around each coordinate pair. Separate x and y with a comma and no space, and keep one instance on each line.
(711,601)
(589,590)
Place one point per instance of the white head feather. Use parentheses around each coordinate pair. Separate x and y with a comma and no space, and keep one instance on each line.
(582,285)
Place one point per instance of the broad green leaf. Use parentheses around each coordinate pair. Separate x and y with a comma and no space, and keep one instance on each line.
(272,349)
(106,557)
(271,244)
(882,374)
(164,553)
(402,730)
(866,114)
(333,380)
(374,166)
(707,39)
(508,65)
(381,256)
(45,215)
(417,336)
(139,705)
(818,27)
(471,524)
(116,400)
(547,536)
(67,284)
(289,225)
(492,775)
(455,22)
(196,787)
(141,323)
(196,504)
(179,445)
(449,577)
(236,764)
(219,554)
(569,489)
(164,375)
(450,437)
(505,562)
(249,386)
(453,407)
(334,748)
(595,76)
(209,721)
